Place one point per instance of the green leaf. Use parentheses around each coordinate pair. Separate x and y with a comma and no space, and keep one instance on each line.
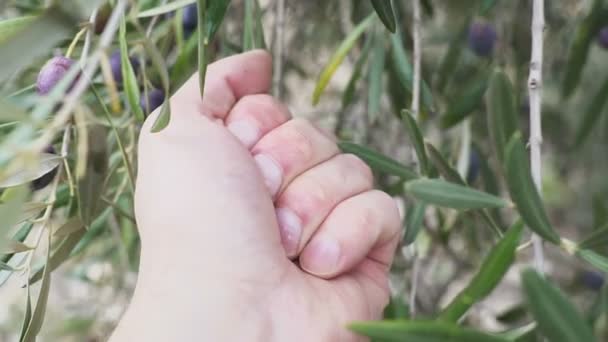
(59,255)
(486,6)
(46,163)
(376,70)
(166,8)
(8,27)
(203,45)
(452,56)
(164,117)
(378,162)
(450,195)
(28,313)
(19,236)
(337,58)
(599,238)
(37,38)
(12,200)
(349,91)
(397,308)
(445,169)
(579,49)
(597,260)
(413,221)
(491,272)
(39,311)
(384,9)
(248,26)
(10,112)
(216,10)
(91,184)
(591,115)
(466,102)
(70,226)
(130,84)
(557,318)
(405,74)
(502,117)
(421,331)
(523,191)
(417,140)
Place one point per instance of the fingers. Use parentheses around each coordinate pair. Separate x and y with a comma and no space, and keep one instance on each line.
(364,226)
(289,150)
(255,115)
(226,81)
(307,201)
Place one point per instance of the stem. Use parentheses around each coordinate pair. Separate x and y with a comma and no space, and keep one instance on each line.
(417,58)
(535,94)
(278,47)
(415,112)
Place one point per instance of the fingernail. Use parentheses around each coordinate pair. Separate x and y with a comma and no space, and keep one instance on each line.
(245,131)
(290,227)
(271,171)
(322,257)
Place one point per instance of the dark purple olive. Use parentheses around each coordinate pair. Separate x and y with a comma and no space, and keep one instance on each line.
(602,37)
(155,98)
(51,73)
(482,37)
(190,18)
(474,163)
(116,65)
(46,179)
(592,279)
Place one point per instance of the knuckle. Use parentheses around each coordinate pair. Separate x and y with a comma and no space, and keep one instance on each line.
(299,137)
(356,164)
(317,198)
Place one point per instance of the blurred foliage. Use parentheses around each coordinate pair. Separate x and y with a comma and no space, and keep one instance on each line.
(460,165)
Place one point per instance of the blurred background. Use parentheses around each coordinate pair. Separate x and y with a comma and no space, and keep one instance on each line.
(94,237)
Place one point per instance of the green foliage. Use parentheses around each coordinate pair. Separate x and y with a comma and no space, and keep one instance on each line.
(421,159)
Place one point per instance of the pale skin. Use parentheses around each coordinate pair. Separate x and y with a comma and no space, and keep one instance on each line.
(228,196)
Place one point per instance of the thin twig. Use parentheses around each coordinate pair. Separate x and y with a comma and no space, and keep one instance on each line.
(535,94)
(415,112)
(279,27)
(417,57)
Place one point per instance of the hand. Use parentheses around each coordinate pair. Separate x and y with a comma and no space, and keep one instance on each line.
(253,225)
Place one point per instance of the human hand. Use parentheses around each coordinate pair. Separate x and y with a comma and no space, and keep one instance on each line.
(228,196)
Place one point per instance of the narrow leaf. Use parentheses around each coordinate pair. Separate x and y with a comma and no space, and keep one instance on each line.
(413,221)
(491,272)
(8,27)
(450,195)
(378,162)
(452,56)
(91,185)
(466,102)
(384,9)
(128,74)
(591,115)
(405,73)
(349,91)
(203,45)
(39,311)
(445,169)
(28,313)
(376,70)
(502,119)
(523,191)
(337,58)
(598,261)
(37,38)
(421,331)
(579,49)
(416,138)
(158,61)
(12,201)
(599,238)
(45,164)
(166,8)
(557,318)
